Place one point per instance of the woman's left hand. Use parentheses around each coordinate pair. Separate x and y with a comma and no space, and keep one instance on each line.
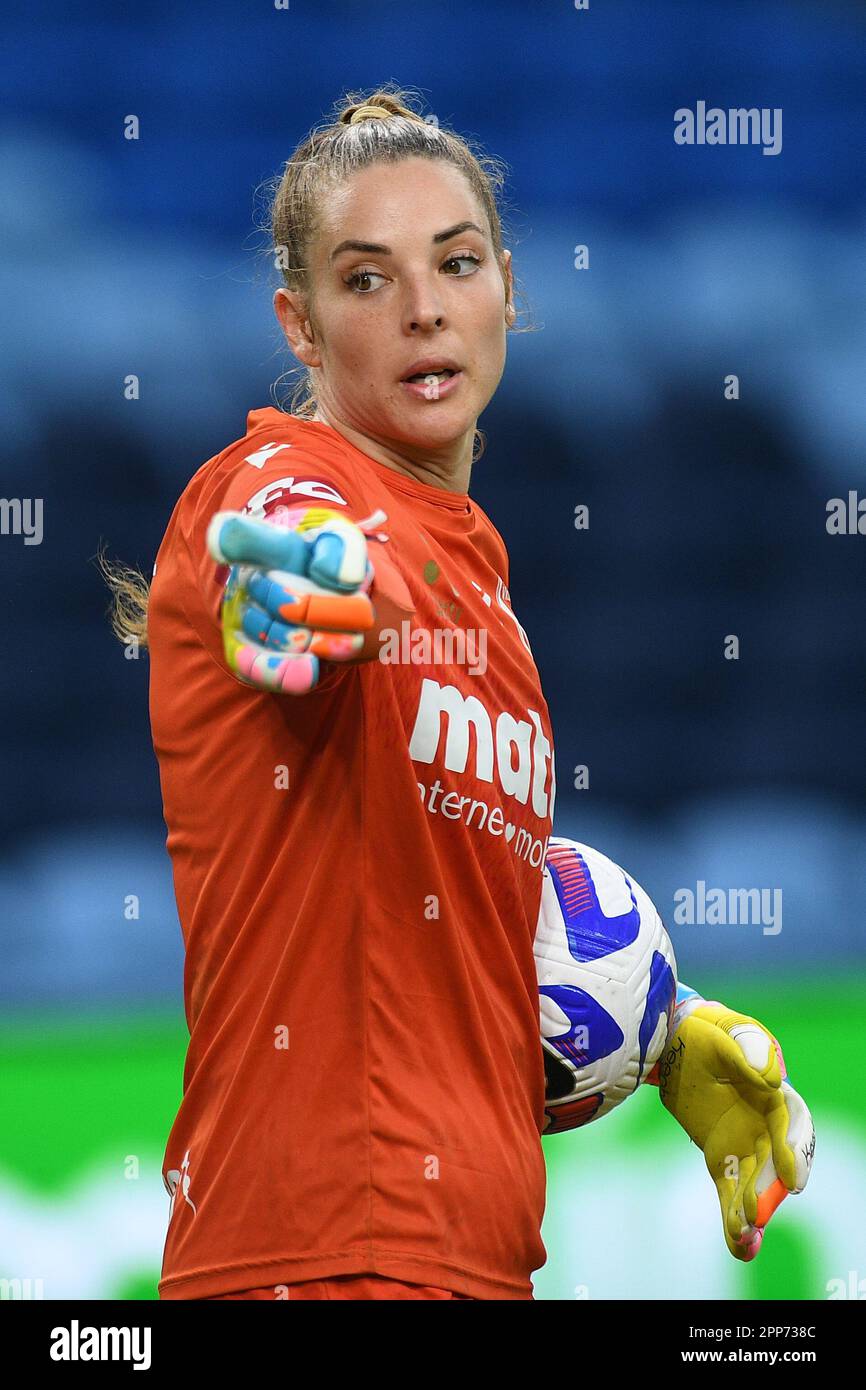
(723,1078)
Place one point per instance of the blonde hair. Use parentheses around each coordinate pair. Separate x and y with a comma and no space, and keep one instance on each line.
(130,591)
(383,126)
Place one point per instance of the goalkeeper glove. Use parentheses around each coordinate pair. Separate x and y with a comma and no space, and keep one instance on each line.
(723,1078)
(297,591)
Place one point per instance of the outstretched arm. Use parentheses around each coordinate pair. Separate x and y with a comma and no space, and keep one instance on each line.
(723,1078)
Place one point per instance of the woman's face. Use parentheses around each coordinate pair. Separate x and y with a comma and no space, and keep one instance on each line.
(425,284)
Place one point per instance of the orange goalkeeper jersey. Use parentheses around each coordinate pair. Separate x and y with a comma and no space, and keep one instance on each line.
(358,874)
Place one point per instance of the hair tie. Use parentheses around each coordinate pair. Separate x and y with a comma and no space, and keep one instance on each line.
(363,111)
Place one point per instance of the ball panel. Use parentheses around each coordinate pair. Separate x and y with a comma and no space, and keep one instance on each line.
(599,912)
(590,1034)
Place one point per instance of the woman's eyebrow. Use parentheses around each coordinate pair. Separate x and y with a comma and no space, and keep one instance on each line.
(373,248)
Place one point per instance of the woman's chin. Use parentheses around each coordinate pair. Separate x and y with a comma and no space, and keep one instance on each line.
(434,423)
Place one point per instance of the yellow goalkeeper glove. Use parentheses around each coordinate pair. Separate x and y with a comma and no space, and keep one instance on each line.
(723,1078)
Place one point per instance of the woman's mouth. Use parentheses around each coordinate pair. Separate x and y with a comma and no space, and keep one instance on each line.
(432,386)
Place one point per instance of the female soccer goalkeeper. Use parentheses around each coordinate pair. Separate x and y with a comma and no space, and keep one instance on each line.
(357,770)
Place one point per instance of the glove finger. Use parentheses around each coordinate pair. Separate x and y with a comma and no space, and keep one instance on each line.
(339,555)
(270,633)
(736,1217)
(273,591)
(790,1161)
(291,638)
(726,1189)
(771,1195)
(336,646)
(741,1238)
(233,538)
(735,1065)
(783,1158)
(329,611)
(747,1193)
(293,674)
(760,1049)
(793,1136)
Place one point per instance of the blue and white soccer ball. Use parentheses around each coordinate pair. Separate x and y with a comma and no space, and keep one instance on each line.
(606,983)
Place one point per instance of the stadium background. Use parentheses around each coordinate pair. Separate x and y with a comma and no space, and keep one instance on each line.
(707,517)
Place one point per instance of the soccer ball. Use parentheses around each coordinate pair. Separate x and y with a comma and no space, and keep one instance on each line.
(606,984)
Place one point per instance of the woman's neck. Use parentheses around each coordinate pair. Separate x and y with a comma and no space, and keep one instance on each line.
(449,468)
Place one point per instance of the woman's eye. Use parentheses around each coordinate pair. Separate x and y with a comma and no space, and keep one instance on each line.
(354,281)
(362,275)
(465,256)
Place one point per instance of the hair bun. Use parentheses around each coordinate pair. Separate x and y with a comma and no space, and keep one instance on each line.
(378,107)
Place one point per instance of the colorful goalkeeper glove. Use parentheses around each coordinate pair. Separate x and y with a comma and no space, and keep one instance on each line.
(297,591)
(723,1077)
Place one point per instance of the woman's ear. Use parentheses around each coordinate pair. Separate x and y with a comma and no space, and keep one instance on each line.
(510,311)
(291,311)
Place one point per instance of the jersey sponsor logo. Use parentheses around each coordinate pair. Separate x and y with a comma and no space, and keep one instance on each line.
(267,451)
(283,491)
(178,1180)
(516,753)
